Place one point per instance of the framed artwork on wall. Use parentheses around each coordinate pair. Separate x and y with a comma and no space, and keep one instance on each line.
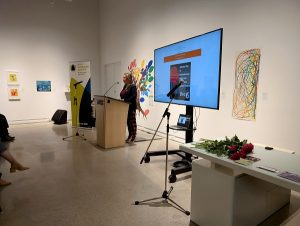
(43,86)
(13,93)
(246,85)
(12,78)
(13,85)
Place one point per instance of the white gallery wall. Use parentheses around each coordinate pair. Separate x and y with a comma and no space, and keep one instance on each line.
(134,28)
(38,38)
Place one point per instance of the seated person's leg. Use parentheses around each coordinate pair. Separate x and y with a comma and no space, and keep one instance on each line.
(15,165)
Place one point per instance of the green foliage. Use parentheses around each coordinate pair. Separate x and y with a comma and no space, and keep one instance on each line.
(220,148)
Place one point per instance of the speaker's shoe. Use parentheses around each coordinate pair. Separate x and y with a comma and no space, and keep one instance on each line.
(131,141)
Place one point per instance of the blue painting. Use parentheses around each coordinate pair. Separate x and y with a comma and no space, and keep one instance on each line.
(43,86)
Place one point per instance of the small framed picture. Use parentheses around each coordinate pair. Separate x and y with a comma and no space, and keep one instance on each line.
(13,93)
(12,78)
(43,86)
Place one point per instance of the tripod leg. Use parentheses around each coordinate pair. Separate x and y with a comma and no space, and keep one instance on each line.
(179,207)
(76,135)
(64,138)
(146,200)
(81,136)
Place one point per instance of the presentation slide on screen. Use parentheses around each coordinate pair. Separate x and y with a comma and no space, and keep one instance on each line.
(181,72)
(195,62)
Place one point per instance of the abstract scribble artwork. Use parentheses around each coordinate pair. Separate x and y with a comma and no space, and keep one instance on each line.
(246,83)
(143,78)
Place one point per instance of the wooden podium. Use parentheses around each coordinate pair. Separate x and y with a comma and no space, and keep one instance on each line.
(111,121)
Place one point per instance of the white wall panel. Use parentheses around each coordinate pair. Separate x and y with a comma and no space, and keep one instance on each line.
(39,39)
(134,28)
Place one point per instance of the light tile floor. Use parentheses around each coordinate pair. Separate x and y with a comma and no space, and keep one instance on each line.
(74,182)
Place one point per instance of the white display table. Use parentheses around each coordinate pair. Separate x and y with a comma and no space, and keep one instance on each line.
(228,193)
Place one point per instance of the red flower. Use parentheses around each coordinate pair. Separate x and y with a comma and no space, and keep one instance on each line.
(242,154)
(233,148)
(247,148)
(235,156)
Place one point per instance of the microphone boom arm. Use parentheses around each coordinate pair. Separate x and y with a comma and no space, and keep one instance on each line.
(170,93)
(110,88)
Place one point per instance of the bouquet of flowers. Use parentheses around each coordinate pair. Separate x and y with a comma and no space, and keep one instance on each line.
(233,148)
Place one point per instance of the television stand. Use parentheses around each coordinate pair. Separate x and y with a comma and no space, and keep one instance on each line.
(184,165)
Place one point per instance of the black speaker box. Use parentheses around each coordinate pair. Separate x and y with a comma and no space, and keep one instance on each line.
(60,117)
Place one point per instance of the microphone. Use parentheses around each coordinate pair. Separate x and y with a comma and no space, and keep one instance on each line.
(110,88)
(170,93)
(75,84)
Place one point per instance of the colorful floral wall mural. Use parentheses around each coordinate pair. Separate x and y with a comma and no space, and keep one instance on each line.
(143,78)
(246,83)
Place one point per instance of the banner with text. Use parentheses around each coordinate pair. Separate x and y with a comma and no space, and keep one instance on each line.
(80,88)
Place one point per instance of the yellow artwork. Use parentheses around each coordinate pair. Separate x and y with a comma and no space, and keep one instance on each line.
(12,78)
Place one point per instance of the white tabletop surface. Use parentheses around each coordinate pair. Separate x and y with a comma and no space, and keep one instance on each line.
(279,160)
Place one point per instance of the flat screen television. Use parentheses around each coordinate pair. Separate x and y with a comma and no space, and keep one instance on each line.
(196,64)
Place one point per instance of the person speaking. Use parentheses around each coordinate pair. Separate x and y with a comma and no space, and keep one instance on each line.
(129,94)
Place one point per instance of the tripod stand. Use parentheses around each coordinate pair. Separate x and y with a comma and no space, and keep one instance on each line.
(76,115)
(166,194)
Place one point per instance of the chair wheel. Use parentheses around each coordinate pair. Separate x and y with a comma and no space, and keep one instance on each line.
(172,178)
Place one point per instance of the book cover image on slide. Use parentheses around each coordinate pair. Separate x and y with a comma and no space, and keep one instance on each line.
(181,72)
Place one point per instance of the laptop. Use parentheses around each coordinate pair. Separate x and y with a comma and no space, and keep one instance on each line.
(183,122)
